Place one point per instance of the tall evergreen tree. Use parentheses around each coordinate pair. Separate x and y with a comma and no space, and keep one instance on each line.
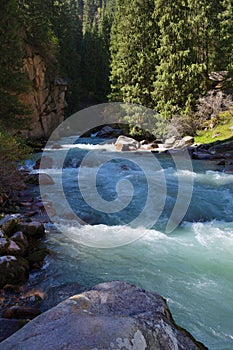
(66,26)
(133,52)
(97,20)
(179,73)
(195,39)
(35,19)
(224,37)
(13,81)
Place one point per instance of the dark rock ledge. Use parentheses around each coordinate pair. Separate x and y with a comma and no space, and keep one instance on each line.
(113,315)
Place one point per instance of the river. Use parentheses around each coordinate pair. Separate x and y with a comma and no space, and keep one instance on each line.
(191,266)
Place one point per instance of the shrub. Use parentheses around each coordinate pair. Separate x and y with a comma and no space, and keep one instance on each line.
(12,152)
(207,115)
(213,104)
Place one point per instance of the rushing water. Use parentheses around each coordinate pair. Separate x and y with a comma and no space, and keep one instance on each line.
(192,267)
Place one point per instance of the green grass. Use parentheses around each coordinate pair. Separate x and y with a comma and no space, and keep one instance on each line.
(220,132)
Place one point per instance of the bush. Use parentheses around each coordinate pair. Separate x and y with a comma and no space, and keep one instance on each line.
(12,152)
(187,124)
(213,104)
(207,115)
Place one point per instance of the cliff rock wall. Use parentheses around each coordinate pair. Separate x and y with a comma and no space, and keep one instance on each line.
(46,97)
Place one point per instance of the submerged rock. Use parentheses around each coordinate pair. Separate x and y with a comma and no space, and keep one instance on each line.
(114,315)
(56,146)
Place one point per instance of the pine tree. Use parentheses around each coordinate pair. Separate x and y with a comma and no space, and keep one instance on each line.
(224,40)
(205,29)
(35,19)
(133,52)
(67,28)
(13,81)
(178,73)
(97,20)
(89,13)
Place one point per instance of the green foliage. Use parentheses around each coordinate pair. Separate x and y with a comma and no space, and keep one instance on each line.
(224,38)
(190,38)
(94,65)
(13,81)
(133,52)
(162,52)
(97,20)
(12,149)
(12,152)
(67,29)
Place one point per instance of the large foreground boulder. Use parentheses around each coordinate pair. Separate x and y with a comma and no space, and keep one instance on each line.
(114,315)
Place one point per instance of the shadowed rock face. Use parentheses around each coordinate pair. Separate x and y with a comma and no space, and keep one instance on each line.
(46,97)
(114,315)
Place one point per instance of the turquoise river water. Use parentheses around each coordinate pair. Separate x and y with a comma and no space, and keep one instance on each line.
(192,266)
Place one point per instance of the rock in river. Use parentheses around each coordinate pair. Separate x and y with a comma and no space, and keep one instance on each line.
(114,315)
(124,143)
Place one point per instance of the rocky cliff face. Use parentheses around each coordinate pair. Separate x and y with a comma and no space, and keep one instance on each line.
(46,97)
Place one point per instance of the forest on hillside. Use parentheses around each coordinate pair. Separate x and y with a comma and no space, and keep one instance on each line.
(167,56)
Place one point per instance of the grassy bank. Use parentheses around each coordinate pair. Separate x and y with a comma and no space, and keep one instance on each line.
(223,130)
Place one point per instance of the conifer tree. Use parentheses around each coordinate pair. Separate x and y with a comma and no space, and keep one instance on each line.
(13,81)
(67,29)
(133,52)
(224,37)
(179,72)
(97,21)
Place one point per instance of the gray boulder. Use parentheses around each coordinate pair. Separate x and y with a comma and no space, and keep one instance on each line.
(184,142)
(170,142)
(124,143)
(114,315)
